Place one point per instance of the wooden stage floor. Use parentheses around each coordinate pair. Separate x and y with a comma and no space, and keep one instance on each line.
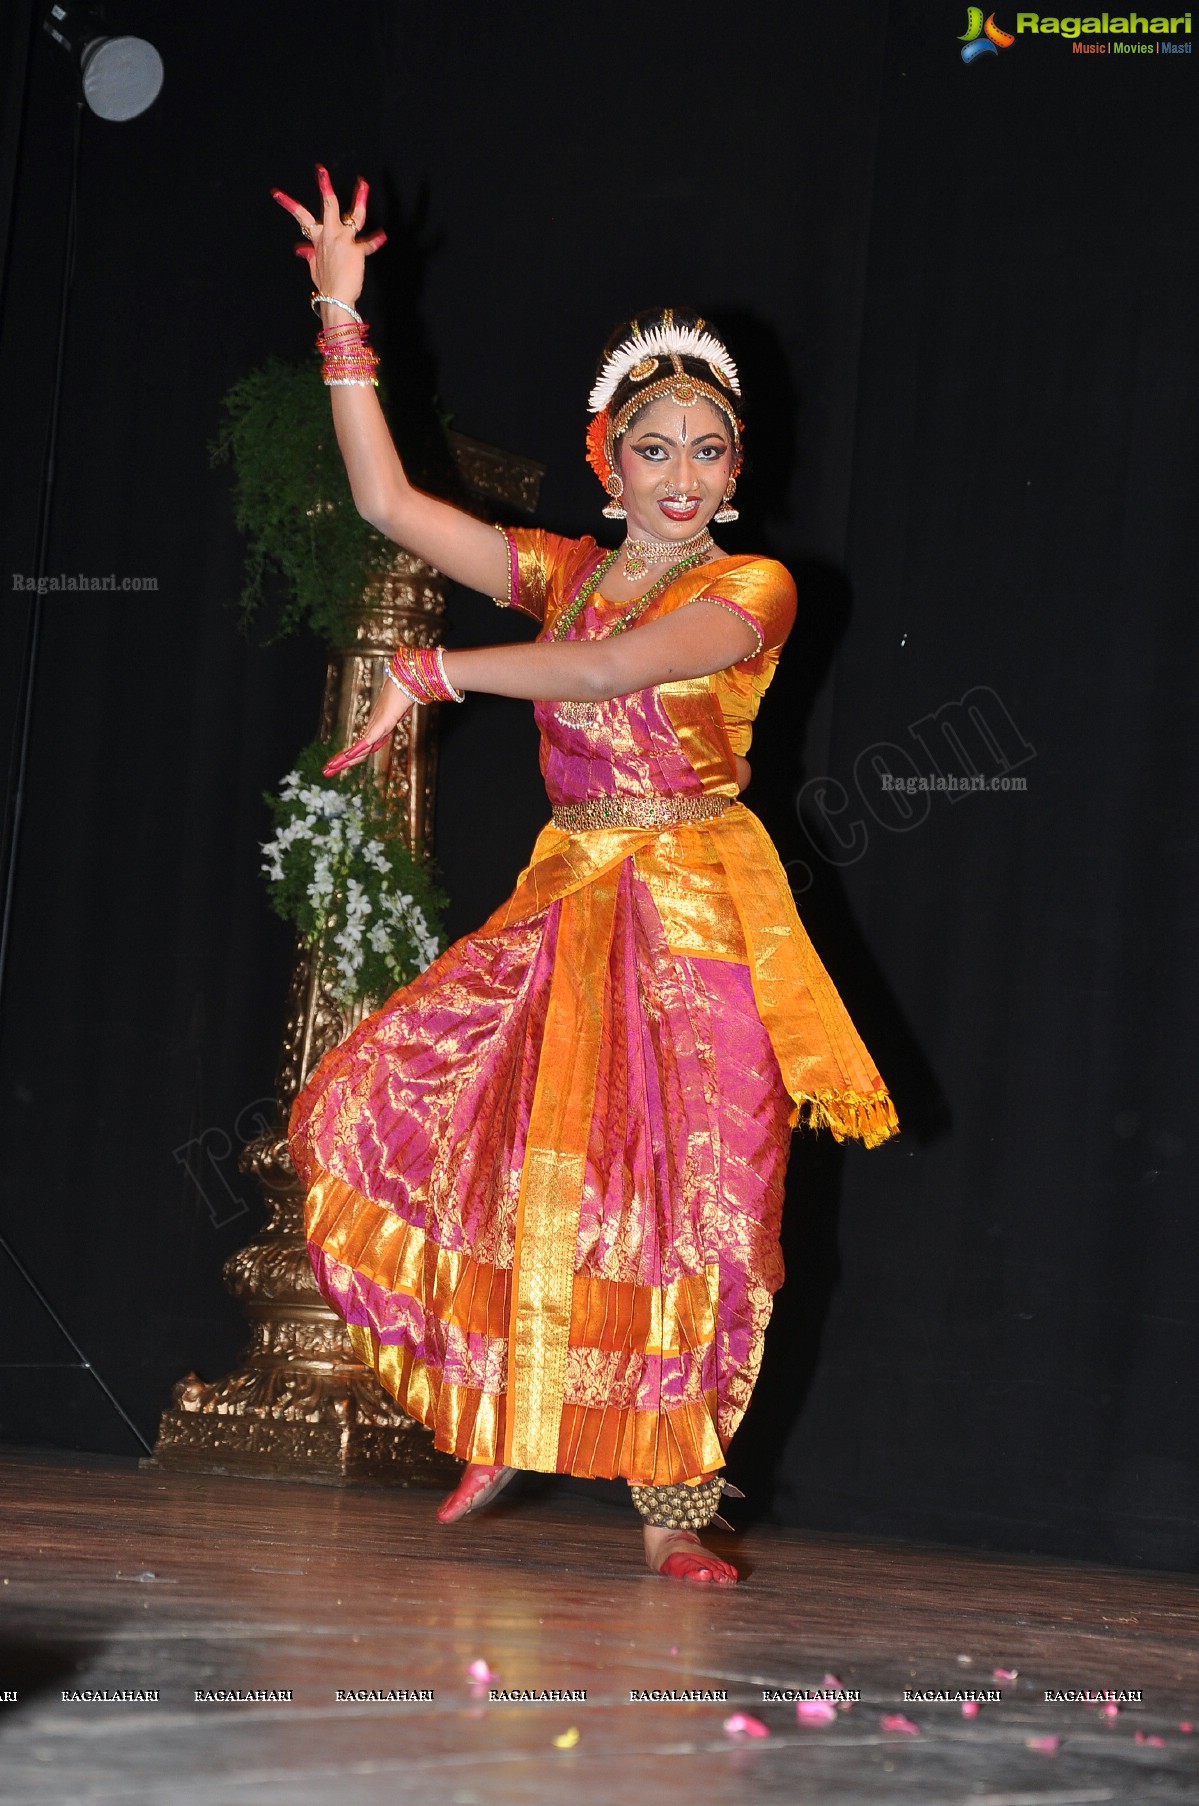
(120,1580)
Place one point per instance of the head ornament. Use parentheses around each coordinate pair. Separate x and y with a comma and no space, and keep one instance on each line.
(638,356)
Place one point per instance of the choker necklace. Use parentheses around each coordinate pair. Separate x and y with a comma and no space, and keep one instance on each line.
(641,554)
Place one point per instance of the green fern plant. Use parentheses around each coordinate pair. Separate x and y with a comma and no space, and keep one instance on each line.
(293,501)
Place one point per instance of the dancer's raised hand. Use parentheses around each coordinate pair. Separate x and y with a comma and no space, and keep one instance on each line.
(334,252)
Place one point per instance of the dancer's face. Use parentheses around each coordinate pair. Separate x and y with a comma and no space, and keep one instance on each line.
(676,462)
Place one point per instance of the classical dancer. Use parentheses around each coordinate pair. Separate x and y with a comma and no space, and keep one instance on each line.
(544,1180)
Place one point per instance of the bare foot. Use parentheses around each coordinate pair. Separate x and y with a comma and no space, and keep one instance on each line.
(477,1487)
(681,1555)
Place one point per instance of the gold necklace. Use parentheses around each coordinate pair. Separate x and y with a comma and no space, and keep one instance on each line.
(641,554)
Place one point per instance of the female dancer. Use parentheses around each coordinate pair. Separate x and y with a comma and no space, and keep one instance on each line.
(544,1180)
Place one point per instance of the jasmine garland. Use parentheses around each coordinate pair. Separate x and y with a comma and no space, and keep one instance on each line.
(343,875)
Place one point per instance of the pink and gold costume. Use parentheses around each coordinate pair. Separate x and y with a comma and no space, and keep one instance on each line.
(544,1180)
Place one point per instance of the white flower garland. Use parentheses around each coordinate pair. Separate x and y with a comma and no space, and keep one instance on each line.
(661,341)
(348,877)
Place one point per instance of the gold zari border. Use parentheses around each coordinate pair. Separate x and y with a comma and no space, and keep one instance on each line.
(551,1191)
(599,1441)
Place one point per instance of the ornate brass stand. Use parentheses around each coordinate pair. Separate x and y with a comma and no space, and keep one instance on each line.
(300,1405)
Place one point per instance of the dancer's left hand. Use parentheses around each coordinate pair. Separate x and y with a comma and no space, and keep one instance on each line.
(391,705)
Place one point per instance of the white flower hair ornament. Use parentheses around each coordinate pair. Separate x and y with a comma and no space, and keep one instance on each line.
(638,356)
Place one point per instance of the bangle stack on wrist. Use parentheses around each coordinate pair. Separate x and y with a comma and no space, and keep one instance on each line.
(420,672)
(347,361)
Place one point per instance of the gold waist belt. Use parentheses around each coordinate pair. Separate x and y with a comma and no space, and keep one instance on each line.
(639,811)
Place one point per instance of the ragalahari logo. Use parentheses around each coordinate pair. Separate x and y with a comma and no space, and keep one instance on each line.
(982,37)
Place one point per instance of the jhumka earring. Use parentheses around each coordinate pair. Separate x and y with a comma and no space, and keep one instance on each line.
(614,484)
(724,512)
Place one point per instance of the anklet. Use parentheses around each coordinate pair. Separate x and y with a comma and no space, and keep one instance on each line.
(680,1507)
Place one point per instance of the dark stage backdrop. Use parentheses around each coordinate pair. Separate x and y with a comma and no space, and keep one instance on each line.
(962,296)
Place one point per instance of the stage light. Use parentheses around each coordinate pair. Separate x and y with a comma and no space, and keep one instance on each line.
(120,75)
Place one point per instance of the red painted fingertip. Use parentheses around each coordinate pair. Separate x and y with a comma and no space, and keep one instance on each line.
(322,179)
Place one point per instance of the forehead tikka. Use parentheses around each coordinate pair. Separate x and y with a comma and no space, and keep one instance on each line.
(683,389)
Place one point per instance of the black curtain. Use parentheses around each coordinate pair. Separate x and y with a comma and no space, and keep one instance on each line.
(959,297)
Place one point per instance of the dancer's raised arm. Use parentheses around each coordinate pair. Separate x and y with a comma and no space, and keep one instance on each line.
(467,550)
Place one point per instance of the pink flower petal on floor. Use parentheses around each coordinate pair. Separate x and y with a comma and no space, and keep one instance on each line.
(969,1708)
(742,1724)
(1111,1710)
(479,1671)
(895,1721)
(831,1680)
(1157,1743)
(1005,1674)
(1049,1746)
(815,1711)
(1186,1726)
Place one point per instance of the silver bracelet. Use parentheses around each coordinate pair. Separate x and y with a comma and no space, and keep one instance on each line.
(402,687)
(332,301)
(456,694)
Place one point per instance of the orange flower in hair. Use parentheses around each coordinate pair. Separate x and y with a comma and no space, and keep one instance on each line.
(597,456)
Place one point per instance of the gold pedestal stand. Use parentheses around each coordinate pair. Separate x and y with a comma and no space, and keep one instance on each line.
(300,1405)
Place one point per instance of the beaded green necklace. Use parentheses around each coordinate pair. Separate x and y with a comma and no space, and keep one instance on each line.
(564,624)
